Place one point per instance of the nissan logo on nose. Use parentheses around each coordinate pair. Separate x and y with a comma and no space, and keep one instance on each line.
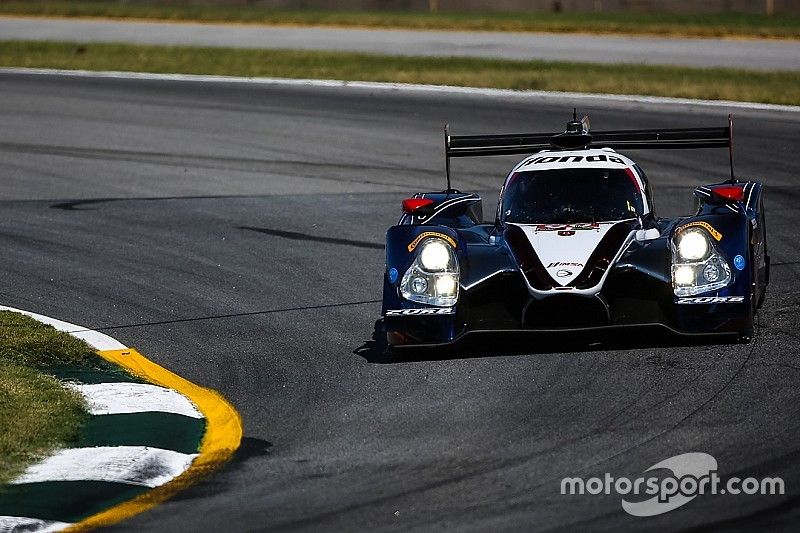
(563,273)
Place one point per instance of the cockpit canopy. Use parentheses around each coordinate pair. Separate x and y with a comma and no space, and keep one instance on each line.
(571,195)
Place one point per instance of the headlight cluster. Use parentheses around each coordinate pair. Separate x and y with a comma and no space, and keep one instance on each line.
(433,276)
(697,265)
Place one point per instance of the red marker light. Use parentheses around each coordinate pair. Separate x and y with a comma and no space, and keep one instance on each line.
(412,204)
(729,192)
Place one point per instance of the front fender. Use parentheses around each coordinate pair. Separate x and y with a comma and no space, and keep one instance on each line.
(414,322)
(731,234)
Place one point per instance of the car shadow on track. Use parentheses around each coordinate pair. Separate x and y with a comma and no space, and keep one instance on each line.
(377,351)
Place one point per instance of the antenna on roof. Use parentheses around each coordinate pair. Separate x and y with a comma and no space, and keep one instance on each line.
(575,136)
(730,145)
(447,157)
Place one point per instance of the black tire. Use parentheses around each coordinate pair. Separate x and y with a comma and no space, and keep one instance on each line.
(763,225)
(763,295)
(745,335)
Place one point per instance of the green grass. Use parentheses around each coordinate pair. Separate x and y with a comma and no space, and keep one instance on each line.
(727,84)
(37,414)
(26,342)
(707,25)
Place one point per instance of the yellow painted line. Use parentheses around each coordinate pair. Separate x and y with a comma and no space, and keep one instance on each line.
(222,437)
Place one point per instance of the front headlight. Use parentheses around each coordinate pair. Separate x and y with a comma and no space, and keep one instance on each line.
(697,264)
(435,255)
(433,276)
(692,245)
(683,275)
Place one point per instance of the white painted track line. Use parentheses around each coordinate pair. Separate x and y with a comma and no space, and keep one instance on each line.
(408,87)
(97,340)
(133,465)
(22,524)
(121,398)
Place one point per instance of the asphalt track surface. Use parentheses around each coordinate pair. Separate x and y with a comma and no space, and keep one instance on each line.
(233,233)
(734,53)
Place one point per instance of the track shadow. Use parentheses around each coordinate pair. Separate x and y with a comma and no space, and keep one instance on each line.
(377,351)
(293,235)
(249,448)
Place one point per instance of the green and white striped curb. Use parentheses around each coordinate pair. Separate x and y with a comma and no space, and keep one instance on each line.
(139,436)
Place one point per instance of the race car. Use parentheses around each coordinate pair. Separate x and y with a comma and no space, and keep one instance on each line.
(576,245)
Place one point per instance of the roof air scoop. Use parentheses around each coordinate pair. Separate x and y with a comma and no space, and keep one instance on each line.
(575,136)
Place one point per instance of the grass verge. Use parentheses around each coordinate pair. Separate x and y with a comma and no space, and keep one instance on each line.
(702,25)
(37,414)
(711,84)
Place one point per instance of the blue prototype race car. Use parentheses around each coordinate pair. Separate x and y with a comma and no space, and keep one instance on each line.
(575,245)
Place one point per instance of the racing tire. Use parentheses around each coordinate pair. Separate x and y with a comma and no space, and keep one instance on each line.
(745,335)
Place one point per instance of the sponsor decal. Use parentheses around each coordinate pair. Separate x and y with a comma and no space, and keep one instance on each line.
(564,273)
(561,264)
(738,262)
(712,300)
(566,233)
(426,234)
(708,227)
(670,484)
(393,274)
(546,160)
(421,312)
(567,227)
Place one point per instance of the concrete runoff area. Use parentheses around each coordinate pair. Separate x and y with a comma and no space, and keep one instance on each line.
(745,54)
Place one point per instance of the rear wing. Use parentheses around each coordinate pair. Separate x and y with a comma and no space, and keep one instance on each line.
(578,135)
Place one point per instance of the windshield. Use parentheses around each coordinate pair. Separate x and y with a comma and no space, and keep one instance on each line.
(571,195)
